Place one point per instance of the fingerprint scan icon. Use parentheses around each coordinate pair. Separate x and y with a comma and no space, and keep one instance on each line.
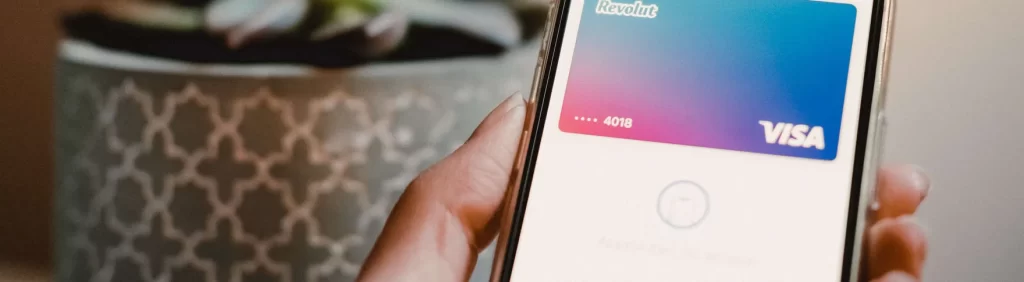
(683,205)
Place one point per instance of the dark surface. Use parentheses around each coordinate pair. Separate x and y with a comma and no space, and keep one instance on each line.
(190,3)
(27,35)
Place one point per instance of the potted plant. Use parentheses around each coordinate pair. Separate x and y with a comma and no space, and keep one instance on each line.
(264,140)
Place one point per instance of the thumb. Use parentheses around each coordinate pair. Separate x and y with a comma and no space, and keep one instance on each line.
(474,179)
(447,214)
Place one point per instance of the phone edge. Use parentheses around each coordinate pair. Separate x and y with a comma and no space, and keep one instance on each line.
(511,199)
(875,138)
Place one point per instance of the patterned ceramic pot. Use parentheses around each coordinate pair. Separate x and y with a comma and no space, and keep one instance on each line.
(170,172)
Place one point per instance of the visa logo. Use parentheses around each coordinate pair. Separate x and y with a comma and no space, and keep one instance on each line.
(794,135)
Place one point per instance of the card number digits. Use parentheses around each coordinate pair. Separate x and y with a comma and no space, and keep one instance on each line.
(619,122)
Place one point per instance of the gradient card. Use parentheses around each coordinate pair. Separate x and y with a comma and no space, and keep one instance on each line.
(759,76)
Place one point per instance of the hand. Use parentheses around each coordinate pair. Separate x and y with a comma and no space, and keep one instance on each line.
(896,244)
(451,211)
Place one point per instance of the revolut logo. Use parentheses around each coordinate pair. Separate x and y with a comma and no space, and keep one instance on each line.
(793,135)
(636,9)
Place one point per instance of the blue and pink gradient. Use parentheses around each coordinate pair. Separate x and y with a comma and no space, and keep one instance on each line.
(704,73)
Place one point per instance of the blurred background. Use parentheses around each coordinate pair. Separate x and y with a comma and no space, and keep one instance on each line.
(954,106)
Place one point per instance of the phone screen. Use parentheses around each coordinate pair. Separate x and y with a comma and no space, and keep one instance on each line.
(689,140)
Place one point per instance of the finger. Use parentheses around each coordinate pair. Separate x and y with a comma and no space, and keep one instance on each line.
(512,101)
(896,244)
(896,276)
(901,188)
(447,214)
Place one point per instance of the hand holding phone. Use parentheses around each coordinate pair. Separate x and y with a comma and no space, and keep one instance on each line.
(769,112)
(447,215)
(688,141)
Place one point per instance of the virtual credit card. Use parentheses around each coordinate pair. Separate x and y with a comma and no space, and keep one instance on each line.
(759,76)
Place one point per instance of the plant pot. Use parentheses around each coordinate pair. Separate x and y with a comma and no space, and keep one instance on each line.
(173,172)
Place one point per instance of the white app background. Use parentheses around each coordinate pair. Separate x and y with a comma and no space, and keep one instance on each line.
(598,209)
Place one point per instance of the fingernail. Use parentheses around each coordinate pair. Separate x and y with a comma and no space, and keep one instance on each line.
(919,180)
(510,103)
(517,98)
(518,111)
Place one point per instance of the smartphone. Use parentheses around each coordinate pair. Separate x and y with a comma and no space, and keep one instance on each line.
(695,140)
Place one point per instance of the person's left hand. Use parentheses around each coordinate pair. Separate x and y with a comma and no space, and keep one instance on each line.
(451,212)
